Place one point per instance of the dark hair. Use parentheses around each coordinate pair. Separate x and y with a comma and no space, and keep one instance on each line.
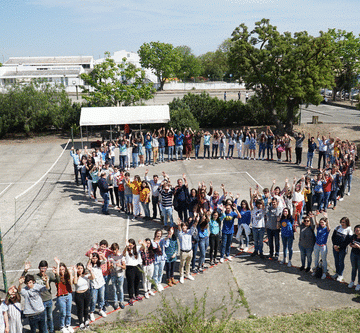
(104,242)
(346,220)
(357,226)
(247,205)
(288,216)
(156,231)
(98,263)
(132,241)
(150,248)
(114,247)
(29,278)
(212,215)
(66,277)
(79,264)
(43,263)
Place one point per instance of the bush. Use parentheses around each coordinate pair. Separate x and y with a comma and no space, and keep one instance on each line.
(181,118)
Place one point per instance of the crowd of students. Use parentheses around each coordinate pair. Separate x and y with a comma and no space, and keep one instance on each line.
(205,228)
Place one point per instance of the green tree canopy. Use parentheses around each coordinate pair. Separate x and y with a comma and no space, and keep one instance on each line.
(162,58)
(112,84)
(190,66)
(286,70)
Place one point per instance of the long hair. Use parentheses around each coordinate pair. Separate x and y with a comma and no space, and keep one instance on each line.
(66,277)
(98,263)
(245,202)
(134,250)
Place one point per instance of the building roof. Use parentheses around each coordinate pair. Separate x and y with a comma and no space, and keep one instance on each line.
(46,73)
(49,60)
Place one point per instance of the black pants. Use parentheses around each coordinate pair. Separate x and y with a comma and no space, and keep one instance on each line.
(273,235)
(322,155)
(155,202)
(76,172)
(116,191)
(298,152)
(133,276)
(309,204)
(183,211)
(82,301)
(95,186)
(214,245)
(169,268)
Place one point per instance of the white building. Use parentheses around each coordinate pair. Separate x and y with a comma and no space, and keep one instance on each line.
(56,70)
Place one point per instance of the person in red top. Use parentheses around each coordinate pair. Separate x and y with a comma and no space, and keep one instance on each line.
(171,144)
(121,189)
(327,191)
(64,296)
(103,251)
(188,142)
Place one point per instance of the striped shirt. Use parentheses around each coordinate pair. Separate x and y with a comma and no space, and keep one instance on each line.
(166,197)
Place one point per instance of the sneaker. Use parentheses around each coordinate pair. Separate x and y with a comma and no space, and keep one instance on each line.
(341,199)
(181,279)
(323,277)
(116,305)
(82,326)
(334,276)
(348,193)
(261,255)
(357,288)
(70,329)
(138,298)
(131,301)
(190,277)
(147,295)
(200,269)
(122,305)
(289,264)
(229,258)
(276,258)
(254,254)
(64,330)
(103,313)
(302,268)
(313,273)
(351,284)
(221,260)
(340,278)
(92,317)
(283,262)
(307,269)
(151,293)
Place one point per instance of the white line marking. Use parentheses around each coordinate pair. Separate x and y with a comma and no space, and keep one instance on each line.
(254,179)
(127,228)
(20,270)
(3,191)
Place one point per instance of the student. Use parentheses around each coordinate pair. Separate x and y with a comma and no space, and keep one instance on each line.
(286,223)
(13,300)
(159,243)
(64,297)
(148,258)
(320,247)
(128,194)
(203,234)
(133,270)
(341,239)
(258,225)
(171,143)
(179,140)
(243,224)
(155,183)
(81,282)
(214,239)
(306,242)
(273,213)
(355,257)
(161,139)
(4,319)
(104,192)
(186,248)
(135,186)
(145,199)
(33,305)
(207,137)
(117,273)
(171,251)
(228,218)
(188,138)
(310,155)
(148,147)
(166,193)
(46,295)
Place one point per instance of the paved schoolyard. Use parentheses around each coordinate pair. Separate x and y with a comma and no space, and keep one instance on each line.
(67,224)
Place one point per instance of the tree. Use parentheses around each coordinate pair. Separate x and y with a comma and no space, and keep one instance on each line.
(348,49)
(162,58)
(286,70)
(112,84)
(190,65)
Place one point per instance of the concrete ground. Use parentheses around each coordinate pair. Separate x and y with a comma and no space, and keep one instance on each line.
(66,223)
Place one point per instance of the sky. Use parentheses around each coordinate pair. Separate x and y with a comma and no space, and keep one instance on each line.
(92,27)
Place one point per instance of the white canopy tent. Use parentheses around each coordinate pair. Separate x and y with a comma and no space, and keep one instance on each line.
(99,116)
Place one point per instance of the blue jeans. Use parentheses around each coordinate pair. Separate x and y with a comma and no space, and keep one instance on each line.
(273,235)
(167,212)
(194,247)
(145,206)
(222,150)
(310,157)
(39,322)
(203,245)
(339,261)
(170,152)
(83,180)
(158,271)
(230,151)
(225,244)
(106,198)
(107,279)
(287,245)
(207,149)
(318,198)
(161,154)
(122,161)
(64,304)
(122,199)
(117,284)
(197,148)
(135,159)
(355,264)
(349,179)
(269,151)
(214,150)
(258,234)
(325,201)
(48,315)
(148,155)
(179,150)
(97,296)
(262,148)
(306,253)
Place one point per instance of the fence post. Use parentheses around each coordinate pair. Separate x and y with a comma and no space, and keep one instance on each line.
(3,263)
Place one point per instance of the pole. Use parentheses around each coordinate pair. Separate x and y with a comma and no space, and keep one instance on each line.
(82,144)
(72,137)
(3,264)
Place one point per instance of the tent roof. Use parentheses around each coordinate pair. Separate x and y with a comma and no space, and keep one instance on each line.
(96,116)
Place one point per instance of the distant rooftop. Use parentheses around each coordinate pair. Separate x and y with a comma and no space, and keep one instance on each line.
(41,73)
(49,60)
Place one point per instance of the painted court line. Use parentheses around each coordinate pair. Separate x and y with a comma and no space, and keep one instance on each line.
(4,190)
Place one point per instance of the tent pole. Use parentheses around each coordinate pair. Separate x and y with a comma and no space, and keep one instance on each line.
(87,136)
(110,133)
(82,145)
